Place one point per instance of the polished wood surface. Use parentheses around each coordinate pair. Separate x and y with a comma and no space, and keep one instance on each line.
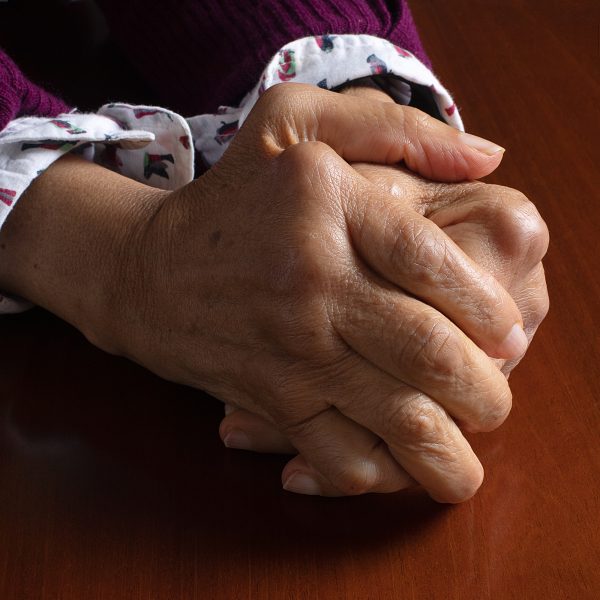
(114,484)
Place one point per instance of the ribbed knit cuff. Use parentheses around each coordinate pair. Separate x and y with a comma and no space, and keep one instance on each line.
(21,97)
(9,106)
(11,89)
(39,103)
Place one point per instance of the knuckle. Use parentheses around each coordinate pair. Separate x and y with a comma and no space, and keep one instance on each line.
(309,248)
(435,349)
(422,427)
(523,232)
(305,158)
(282,114)
(354,480)
(420,154)
(417,421)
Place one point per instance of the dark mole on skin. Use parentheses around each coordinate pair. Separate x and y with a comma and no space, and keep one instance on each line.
(3,246)
(215,237)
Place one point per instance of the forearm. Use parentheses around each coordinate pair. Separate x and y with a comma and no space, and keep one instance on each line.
(62,246)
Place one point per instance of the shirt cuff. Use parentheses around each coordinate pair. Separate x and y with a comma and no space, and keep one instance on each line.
(146,143)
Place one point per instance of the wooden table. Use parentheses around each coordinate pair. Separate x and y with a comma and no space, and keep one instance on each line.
(114,484)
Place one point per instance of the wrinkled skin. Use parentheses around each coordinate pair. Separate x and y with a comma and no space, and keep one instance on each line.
(352,324)
(496,226)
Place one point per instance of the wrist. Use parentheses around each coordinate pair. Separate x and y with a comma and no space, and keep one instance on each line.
(69,242)
(366,88)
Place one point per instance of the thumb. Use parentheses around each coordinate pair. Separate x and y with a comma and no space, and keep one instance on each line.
(361,129)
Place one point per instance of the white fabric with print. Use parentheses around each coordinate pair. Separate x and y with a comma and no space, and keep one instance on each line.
(156,146)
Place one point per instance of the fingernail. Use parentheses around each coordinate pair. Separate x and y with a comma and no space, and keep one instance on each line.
(481,144)
(515,343)
(229,408)
(300,483)
(237,439)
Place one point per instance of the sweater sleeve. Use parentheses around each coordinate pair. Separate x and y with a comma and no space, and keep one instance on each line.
(226,44)
(20,97)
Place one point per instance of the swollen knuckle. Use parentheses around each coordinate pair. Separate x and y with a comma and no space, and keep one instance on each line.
(416,421)
(524,231)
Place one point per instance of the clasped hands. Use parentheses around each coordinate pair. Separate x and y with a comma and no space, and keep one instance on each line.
(352,312)
(360,314)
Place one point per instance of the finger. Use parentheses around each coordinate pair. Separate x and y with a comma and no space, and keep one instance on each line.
(411,252)
(419,346)
(492,224)
(532,298)
(299,475)
(363,129)
(407,187)
(419,434)
(425,441)
(244,430)
(346,458)
(496,226)
(502,231)
(510,224)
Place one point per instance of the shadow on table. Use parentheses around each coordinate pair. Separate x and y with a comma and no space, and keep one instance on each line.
(103,444)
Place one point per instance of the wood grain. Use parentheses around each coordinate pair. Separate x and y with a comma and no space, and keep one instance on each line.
(114,484)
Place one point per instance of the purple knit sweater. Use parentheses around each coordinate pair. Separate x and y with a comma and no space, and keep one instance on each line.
(199,54)
(19,96)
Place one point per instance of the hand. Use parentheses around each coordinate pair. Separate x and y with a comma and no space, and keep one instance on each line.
(495,226)
(285,283)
